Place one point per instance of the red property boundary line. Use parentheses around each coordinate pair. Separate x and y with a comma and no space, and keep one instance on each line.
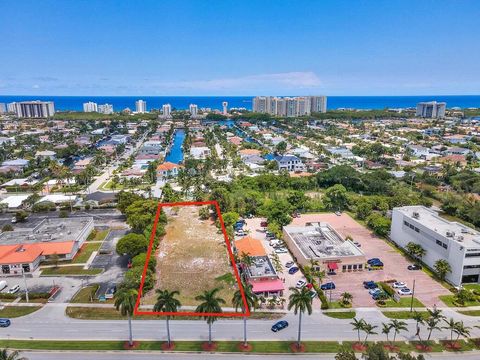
(136,311)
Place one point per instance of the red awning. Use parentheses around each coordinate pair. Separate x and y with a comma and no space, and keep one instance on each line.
(332,266)
(267,285)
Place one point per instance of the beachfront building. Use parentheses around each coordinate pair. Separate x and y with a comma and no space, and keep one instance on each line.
(32,109)
(225,108)
(140,106)
(289,106)
(90,107)
(318,241)
(22,249)
(431,109)
(456,243)
(105,109)
(167,111)
(193,108)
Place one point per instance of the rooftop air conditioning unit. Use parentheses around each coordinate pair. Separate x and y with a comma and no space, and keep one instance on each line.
(450,234)
(464,231)
(416,215)
(460,238)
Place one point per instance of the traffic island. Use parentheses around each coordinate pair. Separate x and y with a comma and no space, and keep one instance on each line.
(295,348)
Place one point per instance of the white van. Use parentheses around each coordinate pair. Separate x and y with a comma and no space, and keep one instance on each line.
(3,285)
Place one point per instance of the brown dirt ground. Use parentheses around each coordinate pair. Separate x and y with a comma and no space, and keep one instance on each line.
(190,257)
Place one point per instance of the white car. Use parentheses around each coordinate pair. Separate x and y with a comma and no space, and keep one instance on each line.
(240,233)
(399,285)
(14,289)
(281,250)
(404,291)
(300,284)
(289,264)
(374,291)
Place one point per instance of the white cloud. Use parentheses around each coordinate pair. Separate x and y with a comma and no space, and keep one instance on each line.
(36,86)
(289,80)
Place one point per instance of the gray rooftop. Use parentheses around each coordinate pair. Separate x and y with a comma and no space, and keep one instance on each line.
(48,230)
(319,240)
(430,219)
(261,266)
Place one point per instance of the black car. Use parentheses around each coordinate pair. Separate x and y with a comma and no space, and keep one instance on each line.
(282,324)
(370,285)
(414,267)
(328,286)
(373,260)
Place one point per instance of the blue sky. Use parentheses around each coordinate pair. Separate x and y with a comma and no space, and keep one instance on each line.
(241,47)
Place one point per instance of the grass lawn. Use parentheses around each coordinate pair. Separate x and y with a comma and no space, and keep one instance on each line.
(85,252)
(404,302)
(17,311)
(335,304)
(96,313)
(84,294)
(472,286)
(341,315)
(70,270)
(449,301)
(470,312)
(403,314)
(98,235)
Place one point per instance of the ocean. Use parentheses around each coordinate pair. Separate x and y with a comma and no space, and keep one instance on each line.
(75,103)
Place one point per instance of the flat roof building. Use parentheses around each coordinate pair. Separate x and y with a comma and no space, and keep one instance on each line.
(24,248)
(318,241)
(441,239)
(32,109)
(431,109)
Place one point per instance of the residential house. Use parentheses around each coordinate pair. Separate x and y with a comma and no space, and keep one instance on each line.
(289,163)
(167,170)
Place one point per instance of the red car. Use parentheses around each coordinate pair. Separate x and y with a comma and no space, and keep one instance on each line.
(263,224)
(309,286)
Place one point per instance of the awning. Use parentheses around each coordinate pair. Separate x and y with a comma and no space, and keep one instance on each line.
(267,285)
(332,266)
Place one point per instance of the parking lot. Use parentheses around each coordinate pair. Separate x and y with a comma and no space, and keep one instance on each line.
(256,231)
(395,264)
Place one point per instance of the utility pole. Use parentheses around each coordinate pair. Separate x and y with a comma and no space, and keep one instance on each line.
(413,294)
(26,287)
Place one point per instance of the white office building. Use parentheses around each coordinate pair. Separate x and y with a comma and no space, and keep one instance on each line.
(442,239)
(193,108)
(105,109)
(3,108)
(90,107)
(431,109)
(32,109)
(166,111)
(140,106)
(225,107)
(318,104)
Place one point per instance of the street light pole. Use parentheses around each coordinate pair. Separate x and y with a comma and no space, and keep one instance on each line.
(26,287)
(413,294)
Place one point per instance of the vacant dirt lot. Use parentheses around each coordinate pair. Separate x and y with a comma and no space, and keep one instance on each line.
(426,289)
(191,257)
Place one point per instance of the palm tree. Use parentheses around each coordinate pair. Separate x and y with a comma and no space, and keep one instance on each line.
(451,325)
(398,326)
(368,330)
(166,302)
(14,355)
(461,330)
(442,268)
(386,328)
(251,300)
(435,316)
(210,303)
(358,325)
(418,317)
(346,298)
(300,301)
(125,302)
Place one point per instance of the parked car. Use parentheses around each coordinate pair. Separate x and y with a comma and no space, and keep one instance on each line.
(414,267)
(379,296)
(240,233)
(279,325)
(300,284)
(110,292)
(292,270)
(281,250)
(404,291)
(264,224)
(14,289)
(328,286)
(374,291)
(376,264)
(3,285)
(370,284)
(274,242)
(372,260)
(289,264)
(313,294)
(357,244)
(399,285)
(4,322)
(338,213)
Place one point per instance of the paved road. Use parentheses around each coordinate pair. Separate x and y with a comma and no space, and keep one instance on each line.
(106,355)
